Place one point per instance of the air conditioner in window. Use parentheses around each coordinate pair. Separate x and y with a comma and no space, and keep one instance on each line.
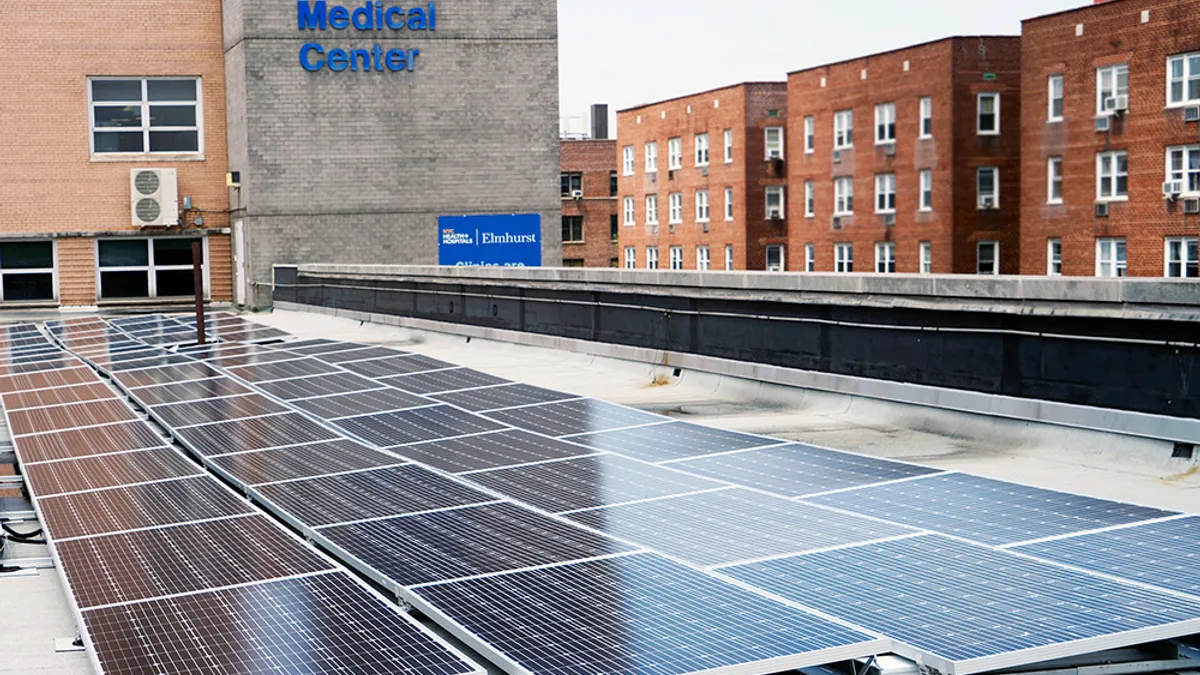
(704,171)
(889,219)
(774,214)
(1191,114)
(576,194)
(154,197)
(890,149)
(773,155)
(1103,123)
(1101,209)
(671,175)
(837,222)
(653,177)
(987,203)
(1191,206)
(707,226)
(1117,104)
(837,156)
(1172,189)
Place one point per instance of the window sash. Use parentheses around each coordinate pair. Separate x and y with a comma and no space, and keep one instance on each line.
(675,153)
(987,258)
(885,258)
(1054,181)
(1054,257)
(146,128)
(572,229)
(652,158)
(1183,79)
(729,146)
(810,199)
(152,266)
(702,206)
(926,258)
(728,204)
(571,182)
(810,131)
(1112,175)
(774,142)
(1183,164)
(843,255)
(702,258)
(729,258)
(651,209)
(843,130)
(774,198)
(885,123)
(926,190)
(926,106)
(630,211)
(630,258)
(987,185)
(676,204)
(885,193)
(1110,258)
(810,258)
(676,258)
(1055,97)
(1183,258)
(627,151)
(1111,81)
(702,150)
(843,196)
(651,258)
(988,117)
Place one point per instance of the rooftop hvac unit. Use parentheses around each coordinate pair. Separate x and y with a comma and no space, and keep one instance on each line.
(1101,209)
(1191,206)
(1172,189)
(1191,114)
(1103,123)
(154,197)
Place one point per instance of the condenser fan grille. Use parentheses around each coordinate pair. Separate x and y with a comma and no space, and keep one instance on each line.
(146,183)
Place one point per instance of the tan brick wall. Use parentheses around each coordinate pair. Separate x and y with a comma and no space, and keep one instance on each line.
(77,271)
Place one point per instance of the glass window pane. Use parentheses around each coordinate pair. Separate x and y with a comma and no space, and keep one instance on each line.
(174,141)
(173,252)
(27,255)
(116,90)
(124,285)
(172,115)
(130,253)
(28,287)
(173,283)
(171,90)
(118,116)
(109,141)
(1193,90)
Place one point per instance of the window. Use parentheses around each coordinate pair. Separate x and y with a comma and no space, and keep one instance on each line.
(1183,79)
(729,258)
(885,123)
(27,271)
(572,229)
(572,183)
(810,135)
(926,117)
(1110,257)
(1055,95)
(702,206)
(810,200)
(843,129)
(614,263)
(989,114)
(573,262)
(775,204)
(987,187)
(885,193)
(843,196)
(146,268)
(1054,257)
(885,257)
(728,205)
(1054,180)
(1182,258)
(987,257)
(702,262)
(614,229)
(676,257)
(627,152)
(630,258)
(651,258)
(630,212)
(1111,81)
(775,259)
(675,216)
(843,257)
(1183,165)
(729,146)
(612,183)
(926,257)
(701,149)
(675,154)
(926,190)
(651,209)
(1112,176)
(652,158)
(774,142)
(138,116)
(810,257)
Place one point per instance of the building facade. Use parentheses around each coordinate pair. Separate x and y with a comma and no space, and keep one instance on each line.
(908,161)
(1111,140)
(702,181)
(589,203)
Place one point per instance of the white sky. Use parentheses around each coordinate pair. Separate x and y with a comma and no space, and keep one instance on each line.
(628,52)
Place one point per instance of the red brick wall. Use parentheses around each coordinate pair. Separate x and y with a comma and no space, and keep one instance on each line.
(596,160)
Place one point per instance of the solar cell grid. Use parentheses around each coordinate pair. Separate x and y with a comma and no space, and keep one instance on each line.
(257,357)
(70,416)
(302,461)
(363,403)
(53,378)
(224,438)
(208,350)
(94,473)
(113,360)
(466,542)
(47,397)
(443,380)
(88,442)
(207,411)
(675,440)
(259,335)
(282,370)
(95,352)
(216,387)
(357,353)
(322,385)
(152,362)
(167,375)
(574,417)
(183,337)
(490,451)
(13,358)
(504,396)
(396,365)
(39,366)
(318,346)
(414,426)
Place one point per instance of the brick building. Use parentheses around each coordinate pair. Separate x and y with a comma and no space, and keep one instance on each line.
(589,203)
(1111,156)
(702,180)
(907,161)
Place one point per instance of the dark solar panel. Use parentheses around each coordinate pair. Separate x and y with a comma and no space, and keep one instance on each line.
(490,451)
(506,396)
(87,442)
(364,403)
(254,434)
(108,359)
(167,375)
(574,417)
(371,494)
(54,378)
(190,391)
(639,614)
(257,335)
(302,461)
(414,426)
(443,380)
(588,482)
(223,349)
(156,563)
(92,473)
(467,542)
(70,416)
(152,362)
(206,411)
(359,354)
(795,470)
(310,626)
(322,385)
(676,440)
(78,394)
(317,346)
(139,506)
(396,365)
(283,370)
(40,366)
(247,358)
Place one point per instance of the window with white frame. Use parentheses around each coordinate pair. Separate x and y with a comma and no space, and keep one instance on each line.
(147,268)
(651,209)
(652,157)
(729,258)
(1183,258)
(627,156)
(651,257)
(676,253)
(989,114)
(729,146)
(810,135)
(1183,165)
(885,257)
(701,149)
(1054,180)
(675,216)
(675,154)
(810,257)
(702,261)
(729,205)
(1183,79)
(987,257)
(146,116)
(774,142)
(987,187)
(630,212)
(926,177)
(775,205)
(843,257)
(1055,96)
(1054,257)
(926,106)
(1110,257)
(810,199)
(926,257)
(1111,82)
(843,129)
(702,206)
(630,258)
(775,259)
(1112,176)
(885,123)
(885,193)
(27,271)
(843,196)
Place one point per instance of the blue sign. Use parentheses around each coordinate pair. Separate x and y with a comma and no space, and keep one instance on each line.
(371,16)
(490,241)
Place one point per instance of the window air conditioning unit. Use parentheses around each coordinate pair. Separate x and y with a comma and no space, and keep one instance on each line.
(837,156)
(775,214)
(774,155)
(837,222)
(987,203)
(671,228)
(890,149)
(654,177)
(707,226)
(704,171)
(577,194)
(1191,206)
(154,197)
(1172,189)
(671,175)
(1191,114)
(889,219)
(1103,123)
(1117,104)
(1101,209)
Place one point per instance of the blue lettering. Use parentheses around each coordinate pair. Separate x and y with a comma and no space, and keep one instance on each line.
(377,53)
(311,66)
(412,59)
(362,18)
(432,17)
(311,17)
(391,18)
(416,19)
(395,60)
(360,56)
(339,18)
(338,60)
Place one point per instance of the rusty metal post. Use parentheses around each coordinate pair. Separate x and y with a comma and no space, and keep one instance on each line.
(198,281)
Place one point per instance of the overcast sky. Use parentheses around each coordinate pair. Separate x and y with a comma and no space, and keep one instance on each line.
(628,52)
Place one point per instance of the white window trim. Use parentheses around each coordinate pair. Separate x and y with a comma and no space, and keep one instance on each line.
(703,206)
(651,213)
(880,120)
(886,247)
(675,215)
(995,259)
(150,268)
(1187,149)
(921,117)
(729,264)
(810,257)
(782,192)
(782,258)
(630,212)
(146,155)
(925,258)
(675,258)
(52,271)
(810,199)
(921,176)
(846,116)
(703,259)
(1183,242)
(628,161)
(995,171)
(1115,69)
(1116,269)
(810,135)
(848,197)
(1050,198)
(979,113)
(729,205)
(675,154)
(729,146)
(703,150)
(630,257)
(1050,257)
(1050,116)
(651,154)
(767,142)
(881,180)
(839,259)
(651,257)
(1186,102)
(1100,178)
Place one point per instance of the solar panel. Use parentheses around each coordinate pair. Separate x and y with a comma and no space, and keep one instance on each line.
(167,375)
(94,473)
(317,346)
(40,366)
(46,397)
(222,349)
(378,493)
(413,426)
(138,506)
(985,510)
(638,614)
(216,387)
(319,624)
(795,470)
(152,362)
(70,416)
(206,411)
(727,526)
(467,542)
(224,438)
(443,380)
(505,396)
(302,461)
(53,378)
(676,440)
(283,370)
(588,482)
(361,352)
(87,442)
(364,403)
(396,365)
(491,451)
(322,385)
(105,359)
(967,609)
(574,417)
(245,357)
(1163,553)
